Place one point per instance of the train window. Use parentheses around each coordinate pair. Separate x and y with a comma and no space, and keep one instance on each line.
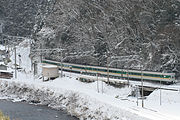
(129,73)
(85,68)
(103,70)
(81,68)
(89,68)
(152,75)
(146,74)
(124,72)
(66,65)
(77,67)
(167,76)
(132,73)
(74,66)
(118,72)
(112,71)
(173,77)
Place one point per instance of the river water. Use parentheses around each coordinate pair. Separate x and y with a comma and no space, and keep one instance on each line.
(24,111)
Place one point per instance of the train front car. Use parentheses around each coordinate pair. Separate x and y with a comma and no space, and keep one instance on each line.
(171,78)
(165,78)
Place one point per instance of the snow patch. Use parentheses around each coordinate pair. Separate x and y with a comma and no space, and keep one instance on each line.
(76,103)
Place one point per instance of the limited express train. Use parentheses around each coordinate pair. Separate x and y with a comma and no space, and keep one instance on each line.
(116,73)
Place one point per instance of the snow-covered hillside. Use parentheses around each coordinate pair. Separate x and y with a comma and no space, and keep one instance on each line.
(83,100)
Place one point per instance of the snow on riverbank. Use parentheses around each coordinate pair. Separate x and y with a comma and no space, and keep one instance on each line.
(77,103)
(83,100)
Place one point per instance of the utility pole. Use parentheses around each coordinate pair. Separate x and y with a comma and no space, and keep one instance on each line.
(160,93)
(137,93)
(122,72)
(97,83)
(160,90)
(142,92)
(128,76)
(102,86)
(61,65)
(108,71)
(8,47)
(41,53)
(15,62)
(5,44)
(35,68)
(1,31)
(19,60)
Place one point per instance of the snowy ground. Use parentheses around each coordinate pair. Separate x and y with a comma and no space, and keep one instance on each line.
(83,99)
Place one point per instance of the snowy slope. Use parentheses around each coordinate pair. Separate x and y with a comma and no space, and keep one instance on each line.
(83,100)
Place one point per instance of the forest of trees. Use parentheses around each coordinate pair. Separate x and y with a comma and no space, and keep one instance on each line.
(97,32)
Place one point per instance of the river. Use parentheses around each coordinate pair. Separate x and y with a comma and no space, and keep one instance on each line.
(25,111)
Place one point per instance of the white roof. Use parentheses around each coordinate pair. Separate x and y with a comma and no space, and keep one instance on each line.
(49,66)
(6,71)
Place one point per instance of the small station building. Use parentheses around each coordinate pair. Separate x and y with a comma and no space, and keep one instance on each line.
(50,72)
